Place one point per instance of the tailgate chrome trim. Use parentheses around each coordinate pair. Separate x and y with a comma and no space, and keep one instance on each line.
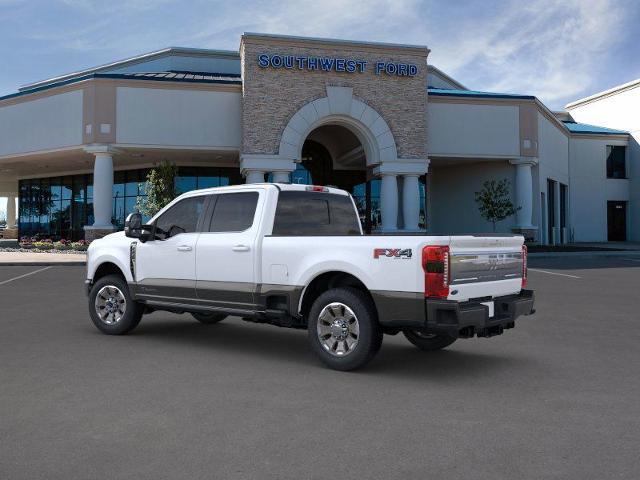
(477,267)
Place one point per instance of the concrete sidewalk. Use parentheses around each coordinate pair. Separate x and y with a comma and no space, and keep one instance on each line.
(38,259)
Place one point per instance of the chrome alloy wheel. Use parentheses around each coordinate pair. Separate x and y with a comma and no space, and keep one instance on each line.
(338,329)
(110,304)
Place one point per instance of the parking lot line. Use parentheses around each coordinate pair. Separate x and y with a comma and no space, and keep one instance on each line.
(553,273)
(25,275)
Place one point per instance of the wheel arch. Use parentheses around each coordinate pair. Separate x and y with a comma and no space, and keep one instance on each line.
(108,267)
(325,281)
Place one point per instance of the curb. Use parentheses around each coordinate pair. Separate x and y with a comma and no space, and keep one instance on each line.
(617,253)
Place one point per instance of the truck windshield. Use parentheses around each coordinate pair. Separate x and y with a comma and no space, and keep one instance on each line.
(315,213)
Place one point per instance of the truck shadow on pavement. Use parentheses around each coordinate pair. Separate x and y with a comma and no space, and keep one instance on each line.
(259,344)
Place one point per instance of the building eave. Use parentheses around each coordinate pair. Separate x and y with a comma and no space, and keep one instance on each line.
(606,93)
(117,76)
(132,61)
(448,78)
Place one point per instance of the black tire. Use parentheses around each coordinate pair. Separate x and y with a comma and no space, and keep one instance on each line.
(130,312)
(428,342)
(367,340)
(208,318)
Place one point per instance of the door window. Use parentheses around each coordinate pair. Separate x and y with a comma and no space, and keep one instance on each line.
(182,217)
(233,212)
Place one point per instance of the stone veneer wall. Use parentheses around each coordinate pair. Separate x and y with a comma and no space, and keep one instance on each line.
(272,96)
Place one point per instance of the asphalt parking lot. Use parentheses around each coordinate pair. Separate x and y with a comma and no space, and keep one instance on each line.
(557,397)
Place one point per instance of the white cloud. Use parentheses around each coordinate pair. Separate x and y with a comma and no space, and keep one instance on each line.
(546,48)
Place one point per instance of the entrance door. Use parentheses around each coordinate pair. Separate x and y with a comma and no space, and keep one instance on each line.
(617,221)
(551,210)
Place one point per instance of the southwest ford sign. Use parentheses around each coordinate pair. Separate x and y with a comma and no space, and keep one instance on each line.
(334,64)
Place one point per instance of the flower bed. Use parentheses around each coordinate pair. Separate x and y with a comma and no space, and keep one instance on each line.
(46,245)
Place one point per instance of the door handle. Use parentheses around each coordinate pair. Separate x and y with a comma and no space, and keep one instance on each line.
(240,248)
(184,248)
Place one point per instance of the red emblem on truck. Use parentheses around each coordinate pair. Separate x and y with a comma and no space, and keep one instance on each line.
(391,253)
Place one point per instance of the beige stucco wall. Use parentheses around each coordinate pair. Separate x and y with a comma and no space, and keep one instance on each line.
(473,129)
(45,123)
(178,117)
(272,96)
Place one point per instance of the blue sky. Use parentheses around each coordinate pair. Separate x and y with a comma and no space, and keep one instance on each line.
(557,50)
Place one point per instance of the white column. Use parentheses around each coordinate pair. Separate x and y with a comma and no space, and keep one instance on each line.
(102,190)
(255,176)
(524,193)
(389,202)
(411,202)
(11,212)
(280,177)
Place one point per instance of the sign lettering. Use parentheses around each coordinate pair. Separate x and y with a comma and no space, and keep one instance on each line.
(332,64)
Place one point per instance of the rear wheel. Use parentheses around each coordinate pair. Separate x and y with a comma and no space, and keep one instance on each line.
(208,318)
(428,341)
(343,329)
(111,307)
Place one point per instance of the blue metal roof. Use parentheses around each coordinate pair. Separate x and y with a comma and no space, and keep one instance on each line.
(188,77)
(575,127)
(444,92)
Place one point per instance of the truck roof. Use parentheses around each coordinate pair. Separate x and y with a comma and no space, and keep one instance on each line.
(252,186)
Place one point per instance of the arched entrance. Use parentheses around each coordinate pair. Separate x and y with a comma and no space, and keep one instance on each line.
(340,140)
(333,155)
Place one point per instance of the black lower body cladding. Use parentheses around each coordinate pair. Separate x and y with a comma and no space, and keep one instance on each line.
(449,317)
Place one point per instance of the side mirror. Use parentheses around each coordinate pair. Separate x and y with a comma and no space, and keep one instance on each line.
(133,225)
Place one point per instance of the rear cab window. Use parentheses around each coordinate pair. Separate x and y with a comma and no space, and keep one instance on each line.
(315,213)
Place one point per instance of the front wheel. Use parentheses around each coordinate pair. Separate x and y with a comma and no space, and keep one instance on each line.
(111,307)
(343,328)
(428,341)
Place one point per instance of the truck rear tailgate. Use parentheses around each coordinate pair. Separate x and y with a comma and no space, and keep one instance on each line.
(485,266)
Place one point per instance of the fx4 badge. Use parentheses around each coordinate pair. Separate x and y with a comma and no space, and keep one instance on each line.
(392,253)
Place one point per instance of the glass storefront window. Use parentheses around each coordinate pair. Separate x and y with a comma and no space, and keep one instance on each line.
(60,207)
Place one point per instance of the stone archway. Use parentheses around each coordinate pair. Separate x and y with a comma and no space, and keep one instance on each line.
(339,107)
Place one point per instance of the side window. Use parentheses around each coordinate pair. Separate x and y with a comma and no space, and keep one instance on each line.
(616,167)
(311,213)
(182,217)
(234,212)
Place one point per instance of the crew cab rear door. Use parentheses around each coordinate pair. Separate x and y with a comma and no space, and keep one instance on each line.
(227,249)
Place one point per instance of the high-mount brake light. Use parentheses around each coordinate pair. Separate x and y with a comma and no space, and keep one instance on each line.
(524,266)
(435,263)
(315,188)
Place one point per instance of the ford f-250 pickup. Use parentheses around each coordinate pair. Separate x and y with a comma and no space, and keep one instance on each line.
(295,256)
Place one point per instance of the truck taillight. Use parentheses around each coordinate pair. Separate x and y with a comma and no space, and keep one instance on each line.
(524,266)
(435,262)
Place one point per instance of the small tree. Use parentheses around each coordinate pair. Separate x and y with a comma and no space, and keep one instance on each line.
(160,189)
(494,201)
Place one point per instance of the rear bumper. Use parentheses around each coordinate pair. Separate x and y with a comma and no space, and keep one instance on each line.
(468,319)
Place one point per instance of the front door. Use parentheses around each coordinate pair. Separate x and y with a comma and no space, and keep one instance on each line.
(226,252)
(165,270)
(617,221)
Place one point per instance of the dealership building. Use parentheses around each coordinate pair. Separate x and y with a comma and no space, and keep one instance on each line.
(410,143)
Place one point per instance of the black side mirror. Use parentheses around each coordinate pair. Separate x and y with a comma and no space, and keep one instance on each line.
(133,225)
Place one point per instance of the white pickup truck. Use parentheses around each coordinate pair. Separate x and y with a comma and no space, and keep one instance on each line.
(295,256)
